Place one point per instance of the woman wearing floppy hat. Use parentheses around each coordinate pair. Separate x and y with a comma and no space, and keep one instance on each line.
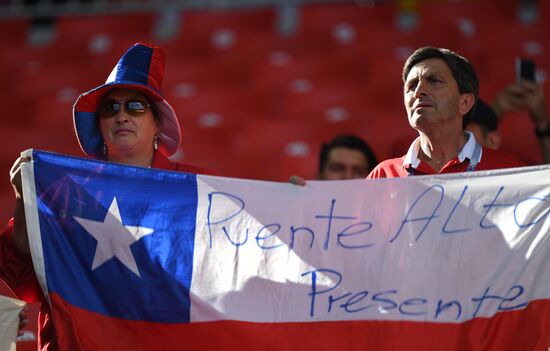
(126,120)
(135,121)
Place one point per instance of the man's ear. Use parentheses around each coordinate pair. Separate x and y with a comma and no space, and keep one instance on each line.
(466,103)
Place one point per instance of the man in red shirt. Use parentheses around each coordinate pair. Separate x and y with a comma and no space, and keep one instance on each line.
(440,93)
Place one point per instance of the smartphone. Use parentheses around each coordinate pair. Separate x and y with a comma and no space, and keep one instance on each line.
(525,69)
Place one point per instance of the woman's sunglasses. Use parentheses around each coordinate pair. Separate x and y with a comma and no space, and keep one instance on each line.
(134,108)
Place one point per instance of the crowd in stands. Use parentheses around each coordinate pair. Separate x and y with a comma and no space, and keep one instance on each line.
(253,82)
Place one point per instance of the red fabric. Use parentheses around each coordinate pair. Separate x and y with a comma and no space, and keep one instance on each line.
(490,159)
(156,68)
(17,271)
(525,329)
(161,162)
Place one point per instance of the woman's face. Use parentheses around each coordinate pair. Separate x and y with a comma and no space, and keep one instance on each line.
(127,123)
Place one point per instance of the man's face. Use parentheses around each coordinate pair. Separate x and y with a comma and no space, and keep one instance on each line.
(344,163)
(432,98)
(479,133)
(486,138)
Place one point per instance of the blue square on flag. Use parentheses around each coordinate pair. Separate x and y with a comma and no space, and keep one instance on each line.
(126,234)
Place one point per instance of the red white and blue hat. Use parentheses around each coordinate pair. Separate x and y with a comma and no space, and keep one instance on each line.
(141,68)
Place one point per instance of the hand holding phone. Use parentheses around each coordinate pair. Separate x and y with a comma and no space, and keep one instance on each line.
(525,70)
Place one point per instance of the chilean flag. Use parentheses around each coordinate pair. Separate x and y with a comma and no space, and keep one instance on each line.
(142,259)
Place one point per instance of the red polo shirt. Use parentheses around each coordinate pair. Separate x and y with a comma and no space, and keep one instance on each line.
(489,159)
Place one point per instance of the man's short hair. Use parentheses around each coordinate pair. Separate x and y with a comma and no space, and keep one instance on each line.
(349,142)
(462,70)
(484,116)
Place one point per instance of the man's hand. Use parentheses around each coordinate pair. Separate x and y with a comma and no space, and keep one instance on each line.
(296,180)
(534,100)
(508,99)
(521,95)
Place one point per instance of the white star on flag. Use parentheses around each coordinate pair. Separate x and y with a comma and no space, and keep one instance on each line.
(114,238)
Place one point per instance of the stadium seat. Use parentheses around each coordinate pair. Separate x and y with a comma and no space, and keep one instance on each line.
(40,79)
(201,24)
(221,34)
(340,27)
(275,71)
(229,72)
(328,104)
(544,10)
(14,31)
(7,203)
(45,138)
(188,76)
(282,148)
(481,13)
(384,77)
(98,40)
(518,137)
(300,158)
(217,101)
(54,108)
(387,130)
(80,29)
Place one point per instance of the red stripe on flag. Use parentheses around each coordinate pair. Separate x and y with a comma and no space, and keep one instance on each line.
(527,329)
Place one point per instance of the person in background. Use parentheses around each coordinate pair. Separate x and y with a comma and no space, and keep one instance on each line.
(345,157)
(127,121)
(527,95)
(484,125)
(440,92)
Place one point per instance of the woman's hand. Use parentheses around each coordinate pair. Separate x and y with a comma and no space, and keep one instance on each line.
(15,176)
(19,235)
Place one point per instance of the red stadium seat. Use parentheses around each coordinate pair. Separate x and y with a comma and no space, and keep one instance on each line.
(329,104)
(212,117)
(518,137)
(185,77)
(45,138)
(282,148)
(54,108)
(384,77)
(300,158)
(221,34)
(201,24)
(79,29)
(7,203)
(386,130)
(275,71)
(340,27)
(514,40)
(14,31)
(321,18)
(99,40)
(481,13)
(239,86)
(40,79)
(544,9)
(240,103)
